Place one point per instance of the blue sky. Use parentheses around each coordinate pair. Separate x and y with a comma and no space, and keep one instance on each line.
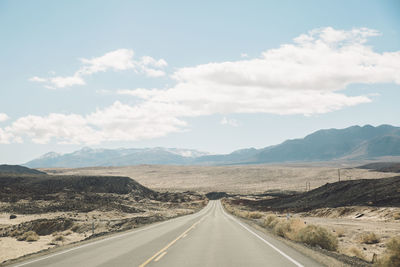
(192,74)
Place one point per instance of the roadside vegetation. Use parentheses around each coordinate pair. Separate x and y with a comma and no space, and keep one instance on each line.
(392,255)
(370,238)
(296,229)
(292,229)
(29,236)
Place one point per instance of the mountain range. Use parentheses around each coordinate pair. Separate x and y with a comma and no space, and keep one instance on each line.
(352,143)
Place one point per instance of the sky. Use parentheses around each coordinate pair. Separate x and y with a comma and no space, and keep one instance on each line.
(215,76)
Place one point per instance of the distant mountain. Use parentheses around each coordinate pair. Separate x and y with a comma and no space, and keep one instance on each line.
(353,143)
(116,157)
(17,169)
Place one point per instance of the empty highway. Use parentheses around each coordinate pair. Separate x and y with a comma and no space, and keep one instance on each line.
(210,237)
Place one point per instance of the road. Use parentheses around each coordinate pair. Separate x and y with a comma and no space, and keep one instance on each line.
(210,237)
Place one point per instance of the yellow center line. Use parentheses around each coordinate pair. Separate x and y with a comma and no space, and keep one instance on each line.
(160,256)
(170,244)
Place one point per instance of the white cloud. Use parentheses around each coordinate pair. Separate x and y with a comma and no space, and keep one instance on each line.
(117,60)
(37,79)
(244,55)
(5,137)
(120,59)
(308,76)
(305,77)
(149,61)
(151,67)
(139,92)
(118,122)
(61,82)
(153,72)
(231,122)
(3,117)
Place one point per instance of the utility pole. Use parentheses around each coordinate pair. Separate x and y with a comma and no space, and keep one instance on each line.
(338,171)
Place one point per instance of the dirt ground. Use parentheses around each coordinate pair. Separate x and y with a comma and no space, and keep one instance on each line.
(246,179)
(384,222)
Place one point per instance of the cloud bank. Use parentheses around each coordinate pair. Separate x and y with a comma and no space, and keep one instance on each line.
(308,76)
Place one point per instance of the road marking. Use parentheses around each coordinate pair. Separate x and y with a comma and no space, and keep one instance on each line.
(262,239)
(160,256)
(198,214)
(171,243)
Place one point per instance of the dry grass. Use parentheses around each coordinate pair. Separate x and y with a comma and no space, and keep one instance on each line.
(318,236)
(29,236)
(59,238)
(392,256)
(340,232)
(68,233)
(16,233)
(282,228)
(355,252)
(255,215)
(270,221)
(235,179)
(369,238)
(75,228)
(396,216)
(293,229)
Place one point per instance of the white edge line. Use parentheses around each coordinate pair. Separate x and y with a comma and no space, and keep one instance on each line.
(109,238)
(262,239)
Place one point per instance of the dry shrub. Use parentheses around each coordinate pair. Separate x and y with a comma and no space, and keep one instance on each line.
(242,213)
(396,216)
(340,232)
(355,252)
(317,236)
(29,236)
(75,228)
(282,228)
(16,232)
(270,221)
(392,257)
(296,225)
(59,238)
(369,238)
(255,215)
(289,228)
(68,233)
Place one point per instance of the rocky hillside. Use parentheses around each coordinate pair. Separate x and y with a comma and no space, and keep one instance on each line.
(368,192)
(48,193)
(383,166)
(16,169)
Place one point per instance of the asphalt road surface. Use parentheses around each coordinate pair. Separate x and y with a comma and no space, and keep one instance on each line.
(210,237)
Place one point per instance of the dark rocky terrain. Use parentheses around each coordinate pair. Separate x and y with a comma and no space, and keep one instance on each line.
(383,166)
(17,169)
(383,192)
(48,193)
